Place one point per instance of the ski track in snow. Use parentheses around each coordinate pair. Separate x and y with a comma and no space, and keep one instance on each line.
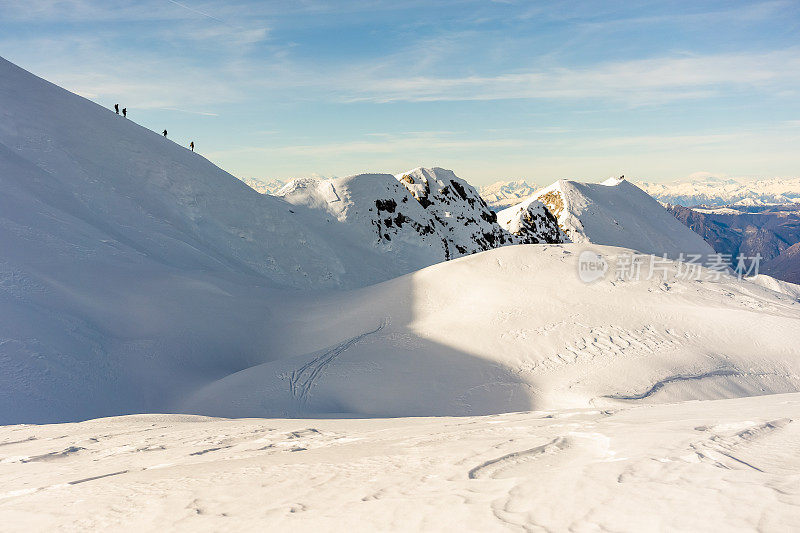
(303,379)
(658,385)
(494,467)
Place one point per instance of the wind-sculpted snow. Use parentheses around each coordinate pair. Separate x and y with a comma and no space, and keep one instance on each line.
(727,465)
(614,213)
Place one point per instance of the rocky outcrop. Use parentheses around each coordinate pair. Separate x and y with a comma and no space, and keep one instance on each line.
(422,216)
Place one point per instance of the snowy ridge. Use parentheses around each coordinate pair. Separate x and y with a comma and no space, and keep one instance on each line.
(127,190)
(782,287)
(420,217)
(615,213)
(532,221)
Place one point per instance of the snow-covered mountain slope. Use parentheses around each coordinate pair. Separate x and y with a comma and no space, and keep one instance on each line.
(727,465)
(783,287)
(515,329)
(124,191)
(714,191)
(420,217)
(265,186)
(152,198)
(502,194)
(532,221)
(615,213)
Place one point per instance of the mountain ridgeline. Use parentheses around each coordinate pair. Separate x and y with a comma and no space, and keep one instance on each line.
(423,216)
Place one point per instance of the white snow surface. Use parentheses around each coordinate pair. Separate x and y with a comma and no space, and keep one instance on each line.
(716,192)
(615,213)
(516,329)
(726,465)
(80,183)
(777,285)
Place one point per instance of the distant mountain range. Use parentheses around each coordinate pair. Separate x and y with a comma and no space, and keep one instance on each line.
(269,186)
(498,195)
(700,190)
(715,192)
(502,194)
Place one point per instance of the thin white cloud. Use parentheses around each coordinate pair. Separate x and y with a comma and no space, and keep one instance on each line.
(443,142)
(639,81)
(191,112)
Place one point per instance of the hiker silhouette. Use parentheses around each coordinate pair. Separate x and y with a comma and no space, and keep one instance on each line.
(191,145)
(116,108)
(124,111)
(165,133)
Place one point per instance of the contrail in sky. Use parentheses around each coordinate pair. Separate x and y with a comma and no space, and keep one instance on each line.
(193,10)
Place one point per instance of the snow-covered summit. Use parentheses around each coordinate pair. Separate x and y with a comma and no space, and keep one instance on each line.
(529,220)
(420,217)
(615,213)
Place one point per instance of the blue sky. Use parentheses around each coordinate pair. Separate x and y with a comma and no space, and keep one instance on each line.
(491,89)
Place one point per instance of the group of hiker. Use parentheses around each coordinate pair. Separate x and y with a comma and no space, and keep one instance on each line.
(125,114)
